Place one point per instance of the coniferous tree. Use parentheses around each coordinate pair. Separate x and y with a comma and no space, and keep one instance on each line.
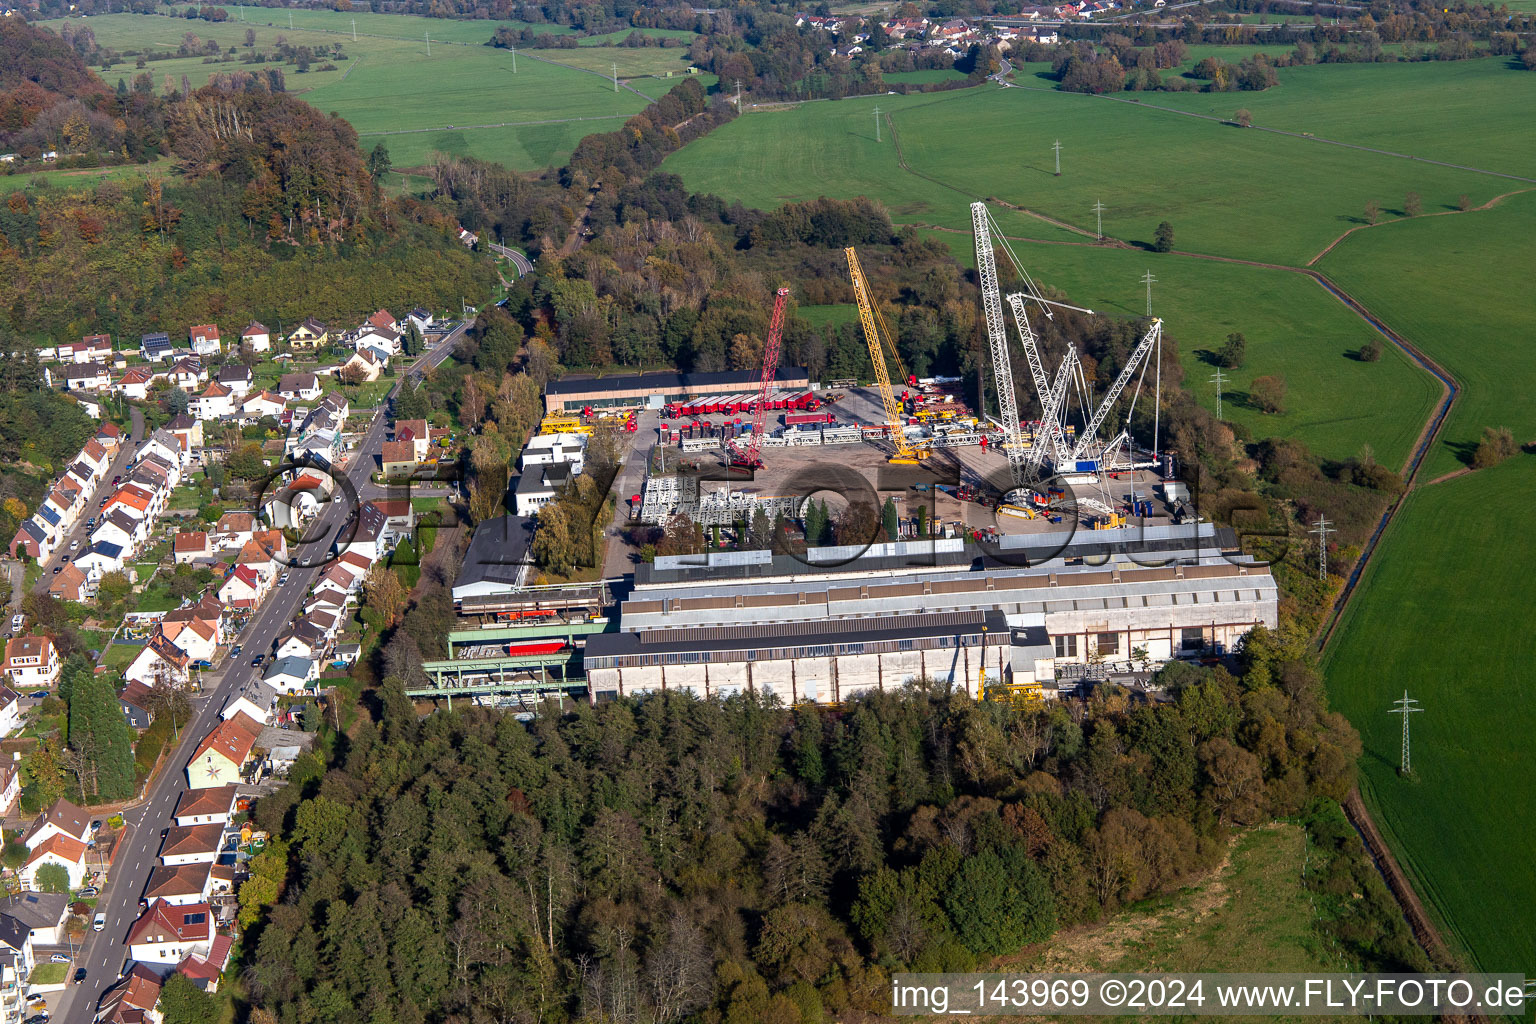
(100,739)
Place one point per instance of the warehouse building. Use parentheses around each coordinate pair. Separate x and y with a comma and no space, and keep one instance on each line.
(575,392)
(1124,598)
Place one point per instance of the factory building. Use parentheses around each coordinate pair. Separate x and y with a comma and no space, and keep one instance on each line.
(575,392)
(1052,604)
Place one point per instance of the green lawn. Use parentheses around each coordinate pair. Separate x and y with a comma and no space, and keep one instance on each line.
(48,974)
(1440,612)
(633,61)
(821,316)
(1226,190)
(925,77)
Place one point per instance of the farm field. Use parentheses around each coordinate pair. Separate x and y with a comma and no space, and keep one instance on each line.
(1470,112)
(1226,190)
(925,77)
(1450,570)
(632,61)
(462,100)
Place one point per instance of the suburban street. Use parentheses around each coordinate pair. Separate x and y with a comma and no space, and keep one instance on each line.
(81,533)
(104,953)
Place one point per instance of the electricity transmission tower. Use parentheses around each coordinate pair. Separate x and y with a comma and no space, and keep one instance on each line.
(1322,528)
(1405,707)
(616,81)
(877,124)
(1057,148)
(738,95)
(1218,378)
(354,30)
(1098,208)
(429,41)
(1148,280)
(514,60)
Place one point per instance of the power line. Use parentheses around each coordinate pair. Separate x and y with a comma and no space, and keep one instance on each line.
(738,95)
(354,30)
(1148,280)
(514,60)
(1098,208)
(1322,528)
(877,124)
(429,43)
(1405,707)
(1057,148)
(615,77)
(1218,378)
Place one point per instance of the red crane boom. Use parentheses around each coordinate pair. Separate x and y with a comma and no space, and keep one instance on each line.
(745,454)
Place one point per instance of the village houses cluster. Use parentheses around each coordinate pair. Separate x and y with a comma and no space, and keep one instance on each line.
(954,37)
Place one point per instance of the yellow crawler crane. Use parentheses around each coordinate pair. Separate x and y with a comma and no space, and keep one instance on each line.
(877,335)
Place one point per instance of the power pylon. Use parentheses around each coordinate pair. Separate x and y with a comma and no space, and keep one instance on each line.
(1405,707)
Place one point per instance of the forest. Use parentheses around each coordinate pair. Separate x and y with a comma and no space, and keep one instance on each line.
(734,861)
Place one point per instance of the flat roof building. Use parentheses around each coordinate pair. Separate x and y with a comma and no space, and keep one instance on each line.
(654,390)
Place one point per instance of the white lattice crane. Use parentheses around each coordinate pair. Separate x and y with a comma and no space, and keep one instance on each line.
(1014,447)
(1139,359)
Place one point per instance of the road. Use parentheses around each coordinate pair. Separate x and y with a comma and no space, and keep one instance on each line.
(119,467)
(104,952)
(518,259)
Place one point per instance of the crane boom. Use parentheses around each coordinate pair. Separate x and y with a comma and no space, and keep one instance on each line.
(1138,355)
(997,339)
(877,338)
(1052,409)
(747,454)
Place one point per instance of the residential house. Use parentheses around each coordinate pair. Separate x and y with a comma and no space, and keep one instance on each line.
(95,454)
(213,402)
(255,699)
(552,449)
(223,754)
(10,788)
(311,334)
(380,524)
(191,844)
(10,711)
(101,558)
(398,459)
(205,340)
(257,336)
(291,674)
(302,638)
(33,539)
(325,600)
(132,1000)
(385,339)
(135,501)
(299,387)
(262,403)
(160,662)
(364,364)
(87,377)
(61,818)
(384,320)
(188,373)
(69,584)
(164,444)
(156,348)
(340,580)
(205,971)
(137,702)
(418,433)
(31,661)
(188,432)
(198,638)
(44,914)
(538,486)
(88,403)
(233,529)
(64,850)
(236,377)
(420,319)
(243,588)
(17,961)
(120,527)
(134,383)
(191,546)
(109,436)
(201,806)
(168,934)
(93,348)
(207,610)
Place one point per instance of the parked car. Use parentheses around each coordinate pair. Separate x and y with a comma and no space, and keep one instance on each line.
(96,825)
(99,923)
(258,660)
(90,892)
(118,478)
(74,545)
(202,663)
(60,958)
(58,569)
(235,650)
(37,1018)
(79,975)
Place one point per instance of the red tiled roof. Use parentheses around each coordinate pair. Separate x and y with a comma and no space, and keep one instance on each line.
(231,739)
(67,848)
(205,801)
(192,540)
(163,922)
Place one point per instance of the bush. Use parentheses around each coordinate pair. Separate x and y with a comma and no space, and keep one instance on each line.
(1498,444)
(1268,393)
(1234,351)
(1370,352)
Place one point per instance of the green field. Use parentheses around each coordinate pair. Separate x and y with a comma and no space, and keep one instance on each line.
(823,316)
(1227,191)
(926,77)
(1433,615)
(393,92)
(633,62)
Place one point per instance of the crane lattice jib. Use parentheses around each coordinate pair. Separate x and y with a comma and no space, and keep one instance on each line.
(871,321)
(1142,350)
(1051,414)
(1031,347)
(997,339)
(770,373)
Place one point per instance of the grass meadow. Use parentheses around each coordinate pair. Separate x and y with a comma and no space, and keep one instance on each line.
(392,91)
(1440,612)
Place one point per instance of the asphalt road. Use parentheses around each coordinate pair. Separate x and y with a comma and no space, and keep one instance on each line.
(119,467)
(103,953)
